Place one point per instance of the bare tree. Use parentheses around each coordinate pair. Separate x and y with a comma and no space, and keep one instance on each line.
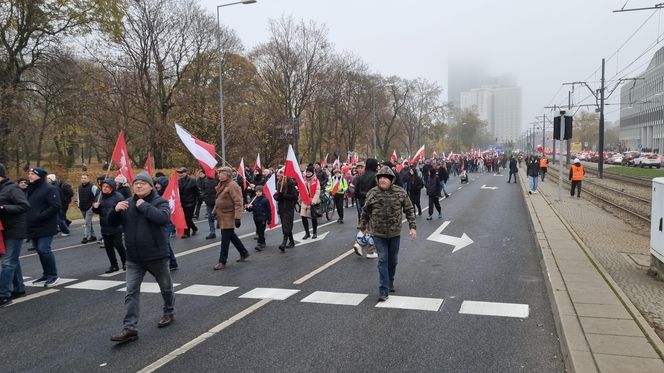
(422,108)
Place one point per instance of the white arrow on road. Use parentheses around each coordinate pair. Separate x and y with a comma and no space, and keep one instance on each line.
(458,242)
(300,241)
(486,187)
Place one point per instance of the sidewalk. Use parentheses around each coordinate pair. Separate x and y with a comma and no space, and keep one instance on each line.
(600,329)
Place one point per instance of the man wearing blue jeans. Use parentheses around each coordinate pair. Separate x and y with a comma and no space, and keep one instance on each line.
(45,206)
(13,216)
(381,218)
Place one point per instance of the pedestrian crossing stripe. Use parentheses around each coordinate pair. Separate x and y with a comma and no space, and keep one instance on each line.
(494,309)
(62,281)
(344,299)
(149,287)
(412,303)
(206,290)
(269,293)
(96,285)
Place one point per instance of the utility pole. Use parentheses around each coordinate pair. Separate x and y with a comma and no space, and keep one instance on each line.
(600,161)
(569,107)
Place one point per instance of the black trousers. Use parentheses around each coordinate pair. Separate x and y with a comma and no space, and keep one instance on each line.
(339,204)
(287,223)
(576,184)
(415,200)
(260,230)
(314,224)
(543,172)
(228,236)
(433,201)
(189,218)
(510,178)
(197,211)
(114,242)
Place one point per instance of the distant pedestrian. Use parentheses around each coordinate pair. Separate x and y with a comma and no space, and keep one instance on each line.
(189,195)
(544,165)
(85,197)
(365,183)
(228,208)
(415,185)
(209,195)
(66,194)
(111,234)
(260,208)
(532,170)
(42,218)
(337,188)
(433,191)
(576,175)
(144,218)
(444,176)
(286,197)
(13,216)
(513,170)
(199,201)
(381,218)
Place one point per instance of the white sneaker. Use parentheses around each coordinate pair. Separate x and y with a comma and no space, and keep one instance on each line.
(52,282)
(64,234)
(358,249)
(372,256)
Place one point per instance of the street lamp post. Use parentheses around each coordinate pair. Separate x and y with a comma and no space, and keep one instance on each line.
(221,78)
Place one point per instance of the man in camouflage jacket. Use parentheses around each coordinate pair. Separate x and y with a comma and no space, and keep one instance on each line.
(382,212)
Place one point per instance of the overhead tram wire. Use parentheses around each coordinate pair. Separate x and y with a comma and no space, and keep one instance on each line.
(652,45)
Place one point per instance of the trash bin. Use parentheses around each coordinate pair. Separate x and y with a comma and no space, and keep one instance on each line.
(657,228)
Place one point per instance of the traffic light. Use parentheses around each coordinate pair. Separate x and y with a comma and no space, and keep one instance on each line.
(568,127)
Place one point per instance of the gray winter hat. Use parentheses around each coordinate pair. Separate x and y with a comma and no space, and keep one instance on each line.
(143,176)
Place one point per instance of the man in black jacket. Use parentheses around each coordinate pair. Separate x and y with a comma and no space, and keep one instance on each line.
(286,197)
(365,183)
(189,194)
(444,176)
(13,213)
(209,195)
(144,218)
(45,206)
(112,234)
(199,200)
(513,169)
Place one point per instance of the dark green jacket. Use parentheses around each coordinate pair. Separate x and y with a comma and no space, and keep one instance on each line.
(383,211)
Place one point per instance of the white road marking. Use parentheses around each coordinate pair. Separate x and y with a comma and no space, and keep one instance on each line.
(26,278)
(344,299)
(269,293)
(494,309)
(33,296)
(96,285)
(55,250)
(112,273)
(41,284)
(325,266)
(207,290)
(201,338)
(459,188)
(300,241)
(149,287)
(412,303)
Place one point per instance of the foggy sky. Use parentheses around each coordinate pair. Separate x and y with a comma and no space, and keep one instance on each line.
(542,43)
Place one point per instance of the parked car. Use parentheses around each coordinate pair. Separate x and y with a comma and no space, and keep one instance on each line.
(648,160)
(628,159)
(616,158)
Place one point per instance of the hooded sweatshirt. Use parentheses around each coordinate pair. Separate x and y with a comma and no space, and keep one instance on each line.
(106,205)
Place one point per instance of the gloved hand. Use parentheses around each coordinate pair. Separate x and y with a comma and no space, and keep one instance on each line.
(237,223)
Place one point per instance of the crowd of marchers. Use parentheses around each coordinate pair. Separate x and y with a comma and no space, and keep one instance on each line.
(135,220)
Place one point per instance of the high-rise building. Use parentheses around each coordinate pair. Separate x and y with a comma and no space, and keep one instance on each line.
(499,106)
(642,108)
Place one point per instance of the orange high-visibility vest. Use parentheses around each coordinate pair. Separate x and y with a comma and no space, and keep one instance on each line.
(544,162)
(577,173)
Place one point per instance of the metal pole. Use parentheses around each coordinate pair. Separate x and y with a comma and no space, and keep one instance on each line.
(373,102)
(544,135)
(560,166)
(600,162)
(569,107)
(221,89)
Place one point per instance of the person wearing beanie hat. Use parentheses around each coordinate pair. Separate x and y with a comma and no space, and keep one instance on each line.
(260,207)
(111,234)
(51,179)
(86,195)
(576,175)
(13,216)
(42,222)
(307,212)
(144,218)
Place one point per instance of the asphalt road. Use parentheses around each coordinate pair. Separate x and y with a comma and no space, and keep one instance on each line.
(68,330)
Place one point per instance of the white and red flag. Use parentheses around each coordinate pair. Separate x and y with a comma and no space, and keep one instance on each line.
(240,171)
(394,157)
(418,155)
(434,155)
(257,165)
(3,249)
(323,163)
(293,170)
(270,188)
(172,195)
(121,158)
(202,151)
(148,164)
(336,164)
(335,187)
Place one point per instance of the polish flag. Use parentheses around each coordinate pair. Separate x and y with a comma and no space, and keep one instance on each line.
(336,164)
(434,155)
(172,195)
(3,249)
(148,164)
(257,165)
(394,157)
(121,158)
(202,151)
(293,171)
(323,163)
(335,187)
(399,167)
(418,155)
(270,188)
(240,171)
